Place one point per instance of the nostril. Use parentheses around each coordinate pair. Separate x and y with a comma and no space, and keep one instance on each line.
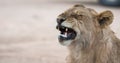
(60,20)
(57,27)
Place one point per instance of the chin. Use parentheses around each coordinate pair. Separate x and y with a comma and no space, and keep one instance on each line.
(66,43)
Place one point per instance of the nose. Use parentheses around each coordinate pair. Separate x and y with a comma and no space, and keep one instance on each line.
(60,20)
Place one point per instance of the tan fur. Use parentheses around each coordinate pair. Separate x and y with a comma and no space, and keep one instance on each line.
(95,41)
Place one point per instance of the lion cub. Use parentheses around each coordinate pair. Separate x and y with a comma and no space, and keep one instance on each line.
(88,36)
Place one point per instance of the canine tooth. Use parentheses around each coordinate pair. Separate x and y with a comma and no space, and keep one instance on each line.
(65,34)
(66,29)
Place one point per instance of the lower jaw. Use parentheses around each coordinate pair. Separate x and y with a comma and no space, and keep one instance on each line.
(66,38)
(66,42)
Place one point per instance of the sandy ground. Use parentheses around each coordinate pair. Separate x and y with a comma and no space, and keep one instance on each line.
(28,34)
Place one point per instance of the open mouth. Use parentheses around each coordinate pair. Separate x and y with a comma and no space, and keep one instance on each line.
(66,33)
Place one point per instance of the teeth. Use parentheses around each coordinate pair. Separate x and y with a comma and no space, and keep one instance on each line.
(65,34)
(66,29)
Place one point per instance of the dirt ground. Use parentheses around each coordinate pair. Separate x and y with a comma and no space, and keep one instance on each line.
(28,34)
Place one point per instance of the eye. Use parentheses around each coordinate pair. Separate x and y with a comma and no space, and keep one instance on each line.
(79,17)
(74,16)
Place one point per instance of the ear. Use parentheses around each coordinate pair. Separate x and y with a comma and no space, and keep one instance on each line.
(105,18)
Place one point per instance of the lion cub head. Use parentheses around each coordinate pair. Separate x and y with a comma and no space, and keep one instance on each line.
(80,24)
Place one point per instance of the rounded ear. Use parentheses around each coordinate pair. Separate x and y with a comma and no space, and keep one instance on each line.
(105,18)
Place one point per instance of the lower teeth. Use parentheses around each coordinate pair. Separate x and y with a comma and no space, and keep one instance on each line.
(64,35)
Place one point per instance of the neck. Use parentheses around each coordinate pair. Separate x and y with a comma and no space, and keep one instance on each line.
(84,50)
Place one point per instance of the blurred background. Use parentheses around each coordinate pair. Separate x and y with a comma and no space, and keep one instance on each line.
(27,29)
